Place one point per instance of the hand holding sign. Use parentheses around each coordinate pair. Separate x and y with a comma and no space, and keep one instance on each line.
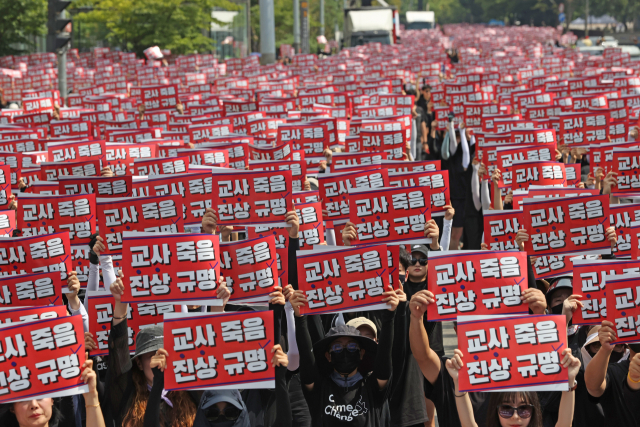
(293,223)
(454,365)
(279,357)
(349,234)
(431,231)
(209,221)
(419,303)
(159,360)
(535,299)
(610,235)
(298,299)
(90,378)
(607,335)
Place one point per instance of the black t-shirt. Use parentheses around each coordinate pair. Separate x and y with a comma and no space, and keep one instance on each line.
(586,413)
(407,404)
(620,404)
(442,393)
(360,405)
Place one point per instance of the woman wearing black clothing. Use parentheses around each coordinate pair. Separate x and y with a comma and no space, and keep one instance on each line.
(224,408)
(336,384)
(129,380)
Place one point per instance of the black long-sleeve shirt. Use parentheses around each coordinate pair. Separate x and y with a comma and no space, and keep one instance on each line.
(328,402)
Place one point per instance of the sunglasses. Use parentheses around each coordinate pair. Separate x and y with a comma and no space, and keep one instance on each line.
(422,261)
(229,412)
(351,347)
(507,411)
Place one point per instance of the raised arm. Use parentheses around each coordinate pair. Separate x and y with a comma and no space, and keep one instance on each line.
(595,375)
(427,359)
(568,399)
(309,374)
(384,361)
(463,403)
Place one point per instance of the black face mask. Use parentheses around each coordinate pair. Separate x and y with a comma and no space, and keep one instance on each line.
(635,347)
(615,356)
(402,278)
(556,309)
(346,361)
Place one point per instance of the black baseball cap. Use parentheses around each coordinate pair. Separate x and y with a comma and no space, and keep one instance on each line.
(422,249)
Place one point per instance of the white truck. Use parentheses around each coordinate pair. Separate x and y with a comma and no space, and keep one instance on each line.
(417,20)
(370,24)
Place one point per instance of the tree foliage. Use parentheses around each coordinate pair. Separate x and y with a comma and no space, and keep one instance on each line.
(182,26)
(20,20)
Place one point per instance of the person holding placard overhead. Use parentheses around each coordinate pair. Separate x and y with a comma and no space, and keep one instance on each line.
(334,372)
(515,408)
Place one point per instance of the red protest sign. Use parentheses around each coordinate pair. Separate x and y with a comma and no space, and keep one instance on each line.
(311,230)
(574,173)
(334,189)
(7,223)
(459,278)
(390,142)
(526,173)
(251,197)
(5,186)
(626,162)
(579,128)
(513,352)
(281,236)
(100,311)
(570,225)
(623,307)
(76,151)
(195,189)
(39,214)
(190,268)
(589,280)
(155,97)
(29,314)
(28,290)
(500,229)
(37,254)
(120,156)
(250,268)
(225,350)
(548,266)
(152,214)
(343,280)
(390,214)
(621,217)
(101,186)
(47,358)
(437,181)
(298,170)
(161,166)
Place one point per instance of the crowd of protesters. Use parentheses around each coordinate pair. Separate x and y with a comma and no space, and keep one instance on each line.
(366,368)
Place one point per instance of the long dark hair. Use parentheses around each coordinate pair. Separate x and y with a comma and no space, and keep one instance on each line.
(182,414)
(529,397)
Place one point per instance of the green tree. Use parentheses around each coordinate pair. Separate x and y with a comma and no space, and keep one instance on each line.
(20,20)
(179,25)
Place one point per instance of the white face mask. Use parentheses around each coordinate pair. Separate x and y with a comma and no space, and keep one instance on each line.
(586,357)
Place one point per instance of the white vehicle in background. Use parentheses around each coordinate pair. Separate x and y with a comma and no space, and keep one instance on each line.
(369,25)
(609,41)
(417,20)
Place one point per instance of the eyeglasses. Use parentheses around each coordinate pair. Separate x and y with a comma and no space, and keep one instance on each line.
(230,412)
(422,261)
(351,347)
(524,411)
